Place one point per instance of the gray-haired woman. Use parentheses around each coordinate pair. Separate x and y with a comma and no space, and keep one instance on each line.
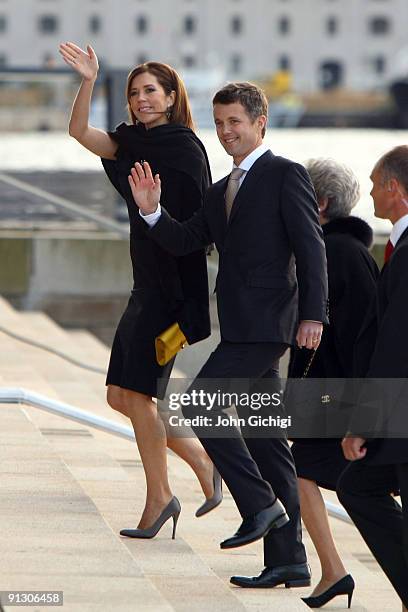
(352,276)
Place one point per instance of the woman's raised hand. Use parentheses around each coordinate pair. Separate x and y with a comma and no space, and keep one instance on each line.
(85,63)
(145,189)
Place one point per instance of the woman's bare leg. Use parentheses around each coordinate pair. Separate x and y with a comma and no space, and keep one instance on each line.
(152,443)
(314,516)
(193,453)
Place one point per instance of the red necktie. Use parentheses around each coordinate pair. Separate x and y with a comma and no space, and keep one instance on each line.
(389,247)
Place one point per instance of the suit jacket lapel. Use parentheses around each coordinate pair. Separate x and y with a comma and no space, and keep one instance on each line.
(402,238)
(372,312)
(249,183)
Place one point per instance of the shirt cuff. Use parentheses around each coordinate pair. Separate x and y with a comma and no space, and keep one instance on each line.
(309,320)
(153,217)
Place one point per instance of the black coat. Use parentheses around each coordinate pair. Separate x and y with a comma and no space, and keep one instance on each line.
(382,350)
(178,155)
(272,263)
(352,274)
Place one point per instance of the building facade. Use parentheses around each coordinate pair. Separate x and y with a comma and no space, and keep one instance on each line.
(323,43)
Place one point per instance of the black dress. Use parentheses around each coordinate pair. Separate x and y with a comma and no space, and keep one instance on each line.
(166,289)
(352,274)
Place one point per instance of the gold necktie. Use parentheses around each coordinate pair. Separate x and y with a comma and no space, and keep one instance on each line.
(232,189)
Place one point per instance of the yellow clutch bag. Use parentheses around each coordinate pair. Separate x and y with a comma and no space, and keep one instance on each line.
(169,343)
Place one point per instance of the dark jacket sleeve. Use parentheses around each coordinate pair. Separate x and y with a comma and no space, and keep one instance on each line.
(390,356)
(301,219)
(381,404)
(182,238)
(192,269)
(352,285)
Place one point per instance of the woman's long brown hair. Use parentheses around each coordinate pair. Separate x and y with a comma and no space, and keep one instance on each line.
(169,79)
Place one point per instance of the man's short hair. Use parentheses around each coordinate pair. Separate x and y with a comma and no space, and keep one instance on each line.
(394,164)
(249,95)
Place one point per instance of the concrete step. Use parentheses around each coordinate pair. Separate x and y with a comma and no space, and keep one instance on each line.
(70,383)
(91,347)
(53,537)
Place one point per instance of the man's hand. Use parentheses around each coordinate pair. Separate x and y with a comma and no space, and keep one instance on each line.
(145,189)
(309,334)
(353,448)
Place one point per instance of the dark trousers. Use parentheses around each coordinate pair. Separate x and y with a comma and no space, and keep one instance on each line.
(366,492)
(257,469)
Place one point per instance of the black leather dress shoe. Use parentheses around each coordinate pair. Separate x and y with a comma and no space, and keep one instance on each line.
(297,575)
(258,525)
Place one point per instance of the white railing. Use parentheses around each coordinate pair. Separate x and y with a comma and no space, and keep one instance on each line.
(29,398)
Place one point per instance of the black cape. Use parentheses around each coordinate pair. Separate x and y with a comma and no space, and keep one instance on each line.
(170,146)
(178,155)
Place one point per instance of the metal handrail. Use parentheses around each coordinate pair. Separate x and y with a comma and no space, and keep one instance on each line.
(30,398)
(67,205)
(337,511)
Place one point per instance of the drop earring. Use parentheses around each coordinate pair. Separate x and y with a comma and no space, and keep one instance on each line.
(169,111)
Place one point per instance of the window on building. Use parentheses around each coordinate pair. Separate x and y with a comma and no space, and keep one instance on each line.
(142,24)
(379,64)
(236,63)
(189,24)
(379,25)
(48,24)
(284,25)
(332,26)
(3,60)
(284,62)
(331,74)
(189,61)
(95,24)
(3,23)
(237,24)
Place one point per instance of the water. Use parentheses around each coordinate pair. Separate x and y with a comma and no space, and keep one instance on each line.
(360,149)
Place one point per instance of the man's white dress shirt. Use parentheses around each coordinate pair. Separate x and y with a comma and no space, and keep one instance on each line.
(245,165)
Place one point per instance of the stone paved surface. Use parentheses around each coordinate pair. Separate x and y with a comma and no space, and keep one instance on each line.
(67,490)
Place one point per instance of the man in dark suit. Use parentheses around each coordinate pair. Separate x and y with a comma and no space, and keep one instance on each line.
(380,466)
(271,288)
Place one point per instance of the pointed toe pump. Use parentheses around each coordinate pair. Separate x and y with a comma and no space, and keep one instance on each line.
(216,499)
(172,510)
(345,586)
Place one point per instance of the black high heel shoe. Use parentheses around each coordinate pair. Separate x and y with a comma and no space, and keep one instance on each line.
(172,509)
(345,586)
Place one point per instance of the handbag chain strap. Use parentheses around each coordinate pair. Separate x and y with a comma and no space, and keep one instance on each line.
(309,363)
